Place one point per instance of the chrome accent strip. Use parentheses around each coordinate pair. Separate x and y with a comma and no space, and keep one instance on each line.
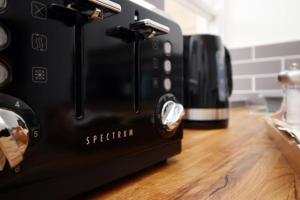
(108,4)
(205,114)
(156,25)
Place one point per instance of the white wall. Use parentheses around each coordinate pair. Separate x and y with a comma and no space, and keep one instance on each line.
(255,22)
(191,23)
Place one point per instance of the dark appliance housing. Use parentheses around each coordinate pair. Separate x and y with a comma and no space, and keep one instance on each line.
(208,82)
(90,91)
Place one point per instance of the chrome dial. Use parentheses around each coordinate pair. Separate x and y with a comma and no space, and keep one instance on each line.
(14,138)
(171,115)
(168,115)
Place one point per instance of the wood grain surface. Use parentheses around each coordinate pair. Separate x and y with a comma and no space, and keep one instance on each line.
(237,163)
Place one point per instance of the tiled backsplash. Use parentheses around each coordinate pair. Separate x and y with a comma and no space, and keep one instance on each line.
(255,69)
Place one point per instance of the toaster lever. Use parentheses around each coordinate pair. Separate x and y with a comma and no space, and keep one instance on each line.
(95,9)
(149,28)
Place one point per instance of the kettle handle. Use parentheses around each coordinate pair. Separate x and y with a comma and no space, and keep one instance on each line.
(229,71)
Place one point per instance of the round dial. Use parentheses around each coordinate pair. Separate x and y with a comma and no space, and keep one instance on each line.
(14,138)
(169,115)
(19,129)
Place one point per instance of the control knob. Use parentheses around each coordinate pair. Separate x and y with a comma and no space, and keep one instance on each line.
(14,138)
(19,131)
(169,115)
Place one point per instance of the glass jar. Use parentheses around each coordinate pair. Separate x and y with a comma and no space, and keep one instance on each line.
(290,79)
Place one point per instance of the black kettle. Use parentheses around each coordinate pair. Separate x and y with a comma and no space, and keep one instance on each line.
(208,82)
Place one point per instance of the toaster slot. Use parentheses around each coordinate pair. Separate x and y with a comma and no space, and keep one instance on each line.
(137,77)
(77,13)
(137,71)
(78,71)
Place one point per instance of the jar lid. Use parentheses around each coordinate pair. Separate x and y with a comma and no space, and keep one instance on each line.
(289,77)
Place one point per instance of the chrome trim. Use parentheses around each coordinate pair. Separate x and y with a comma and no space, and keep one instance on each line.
(205,114)
(108,4)
(149,28)
(156,25)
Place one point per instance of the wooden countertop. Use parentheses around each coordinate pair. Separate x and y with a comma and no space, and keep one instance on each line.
(235,164)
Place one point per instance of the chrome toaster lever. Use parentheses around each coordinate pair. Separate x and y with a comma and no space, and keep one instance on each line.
(149,28)
(95,9)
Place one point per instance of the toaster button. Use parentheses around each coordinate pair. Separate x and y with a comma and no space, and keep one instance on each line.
(167,84)
(168,66)
(4,37)
(4,74)
(168,48)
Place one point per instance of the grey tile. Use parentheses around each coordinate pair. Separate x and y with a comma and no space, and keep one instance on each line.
(237,104)
(241,54)
(289,62)
(242,97)
(267,83)
(264,67)
(158,3)
(242,84)
(280,49)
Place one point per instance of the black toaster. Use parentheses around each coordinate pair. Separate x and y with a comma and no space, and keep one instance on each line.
(90,91)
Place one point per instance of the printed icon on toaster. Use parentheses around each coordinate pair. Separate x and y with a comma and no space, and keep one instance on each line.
(38,10)
(39,42)
(155,83)
(39,75)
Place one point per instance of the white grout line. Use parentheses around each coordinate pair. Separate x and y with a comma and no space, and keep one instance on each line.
(256,91)
(242,92)
(265,59)
(255,75)
(282,64)
(253,84)
(253,53)
(242,76)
